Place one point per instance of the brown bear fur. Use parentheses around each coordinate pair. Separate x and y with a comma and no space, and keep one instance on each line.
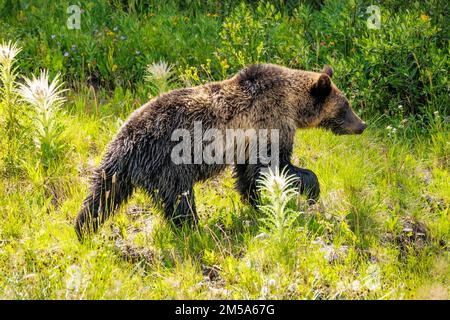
(260,96)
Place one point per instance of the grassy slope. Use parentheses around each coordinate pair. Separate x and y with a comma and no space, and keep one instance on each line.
(374,190)
(378,192)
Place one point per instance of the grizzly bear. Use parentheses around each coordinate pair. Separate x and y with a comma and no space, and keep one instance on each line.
(263,96)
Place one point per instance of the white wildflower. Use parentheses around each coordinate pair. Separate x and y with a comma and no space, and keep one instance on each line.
(8,75)
(278,190)
(265,291)
(159,75)
(272,282)
(39,93)
(373,280)
(8,52)
(356,285)
(277,184)
(46,99)
(159,70)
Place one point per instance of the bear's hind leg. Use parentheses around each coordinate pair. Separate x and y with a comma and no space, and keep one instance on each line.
(108,192)
(177,199)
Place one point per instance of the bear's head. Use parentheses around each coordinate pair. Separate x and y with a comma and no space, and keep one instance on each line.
(333,109)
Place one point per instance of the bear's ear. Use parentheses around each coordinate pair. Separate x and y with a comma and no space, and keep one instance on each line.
(327,70)
(322,87)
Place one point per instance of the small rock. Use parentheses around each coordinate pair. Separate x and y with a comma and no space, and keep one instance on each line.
(262,235)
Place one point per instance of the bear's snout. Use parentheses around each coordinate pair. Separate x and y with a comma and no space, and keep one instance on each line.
(353,124)
(360,128)
(355,128)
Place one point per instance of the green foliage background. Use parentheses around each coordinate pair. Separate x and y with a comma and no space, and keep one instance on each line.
(404,62)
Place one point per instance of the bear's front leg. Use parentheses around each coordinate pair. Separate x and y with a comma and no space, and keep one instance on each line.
(308,182)
(248,176)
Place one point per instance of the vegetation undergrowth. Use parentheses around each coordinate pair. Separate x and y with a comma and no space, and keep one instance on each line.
(380,229)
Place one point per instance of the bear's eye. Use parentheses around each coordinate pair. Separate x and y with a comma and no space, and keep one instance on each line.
(341,114)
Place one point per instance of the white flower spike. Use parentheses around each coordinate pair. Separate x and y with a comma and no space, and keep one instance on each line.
(8,52)
(39,93)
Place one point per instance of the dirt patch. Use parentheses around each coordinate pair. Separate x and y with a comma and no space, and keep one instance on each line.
(127,247)
(133,253)
(214,283)
(414,236)
(211,273)
(135,212)
(331,253)
(434,204)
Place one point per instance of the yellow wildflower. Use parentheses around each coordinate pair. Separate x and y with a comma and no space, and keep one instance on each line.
(424,17)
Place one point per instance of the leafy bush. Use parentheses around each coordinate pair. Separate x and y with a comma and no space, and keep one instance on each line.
(404,65)
(112,48)
(405,62)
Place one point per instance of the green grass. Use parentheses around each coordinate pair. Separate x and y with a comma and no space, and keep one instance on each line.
(380,230)
(357,235)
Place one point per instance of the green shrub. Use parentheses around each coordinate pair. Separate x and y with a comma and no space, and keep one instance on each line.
(404,63)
